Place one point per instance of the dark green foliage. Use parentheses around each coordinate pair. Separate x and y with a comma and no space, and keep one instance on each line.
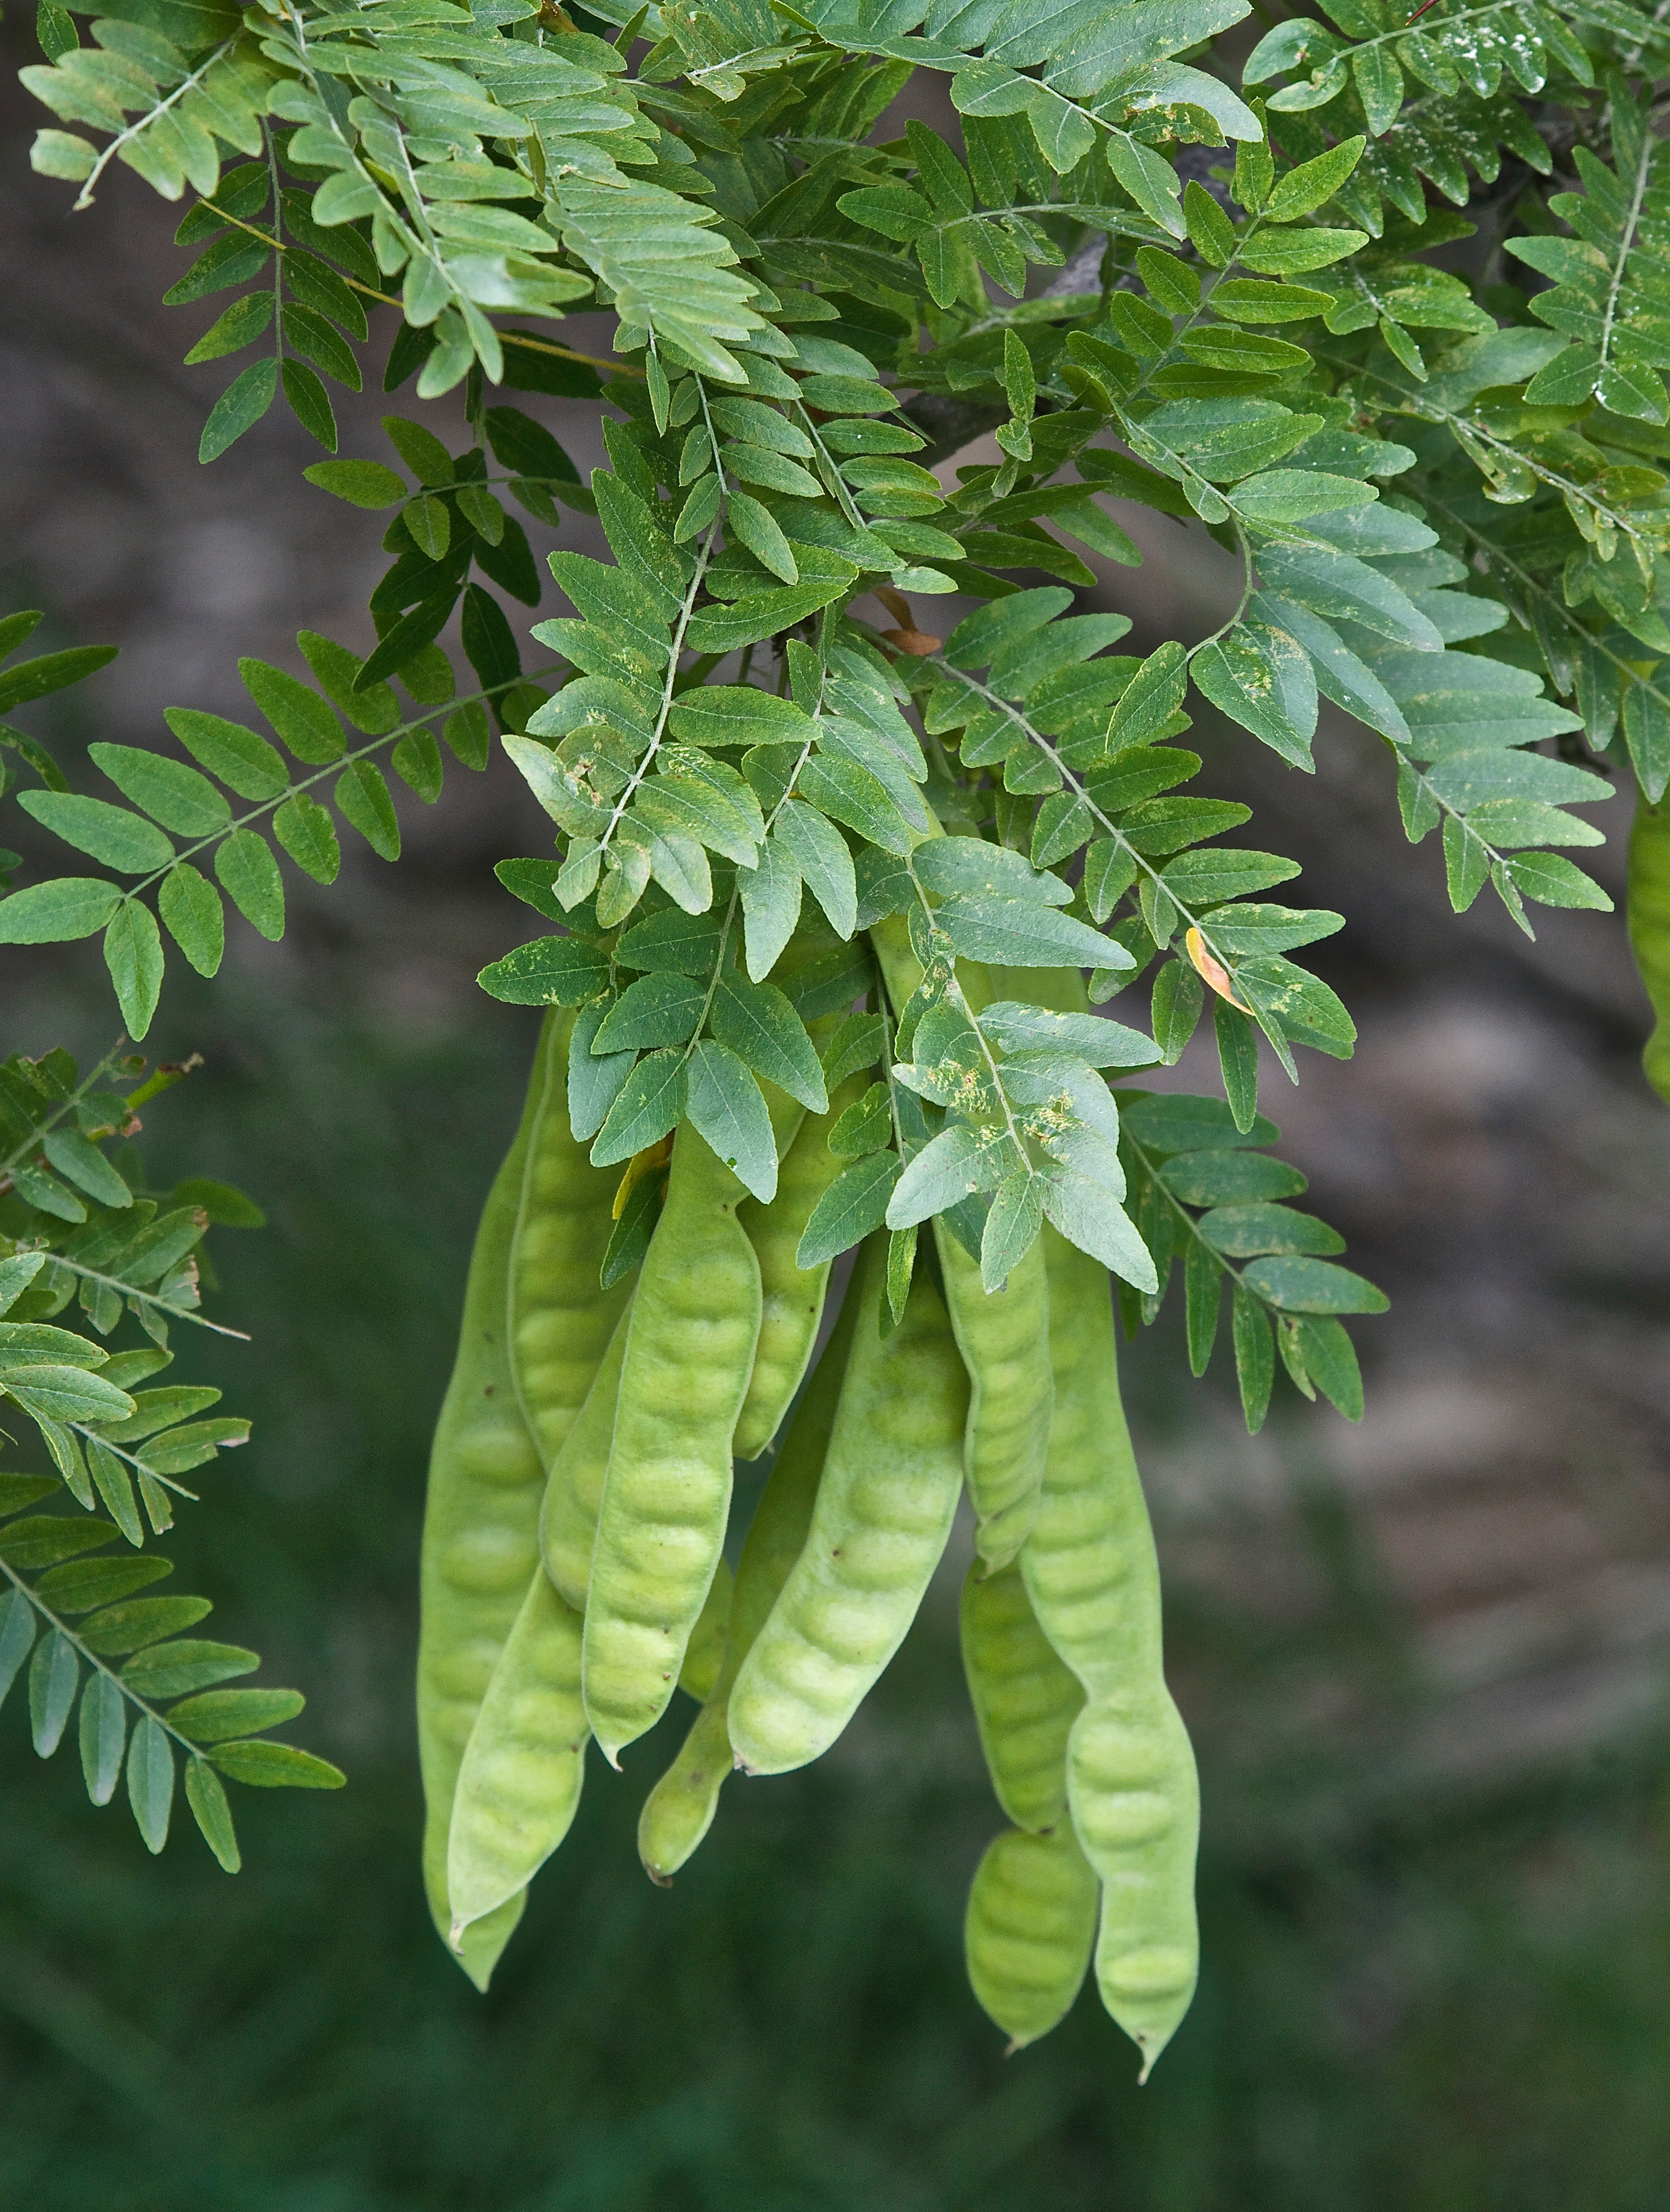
(79,1229)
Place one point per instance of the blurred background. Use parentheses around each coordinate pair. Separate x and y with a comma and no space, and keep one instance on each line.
(1424,1659)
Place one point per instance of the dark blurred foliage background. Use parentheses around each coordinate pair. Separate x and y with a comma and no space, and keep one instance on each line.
(1424,1659)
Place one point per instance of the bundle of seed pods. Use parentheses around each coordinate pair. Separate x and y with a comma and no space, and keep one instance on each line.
(575,1572)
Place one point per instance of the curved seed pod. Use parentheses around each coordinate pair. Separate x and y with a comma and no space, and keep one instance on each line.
(884,1510)
(560,1320)
(1003,1335)
(1025,1700)
(1094,1582)
(1650,928)
(704,1655)
(1026,1935)
(792,1299)
(679,1811)
(521,1777)
(1136,1809)
(573,1489)
(479,1548)
(689,1351)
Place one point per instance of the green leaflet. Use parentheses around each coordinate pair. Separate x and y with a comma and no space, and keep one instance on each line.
(551,971)
(249,875)
(854,1205)
(771,896)
(299,716)
(133,954)
(49,672)
(726,1105)
(416,760)
(238,408)
(363,483)
(1262,678)
(362,798)
(307,834)
(656,1009)
(121,840)
(241,760)
(1018,933)
(48,914)
(169,791)
(759,1024)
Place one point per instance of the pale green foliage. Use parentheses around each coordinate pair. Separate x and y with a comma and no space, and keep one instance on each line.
(1446,500)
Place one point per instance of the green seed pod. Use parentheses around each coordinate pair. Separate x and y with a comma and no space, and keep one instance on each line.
(560,1320)
(704,1655)
(1650,928)
(519,1781)
(792,1299)
(479,1547)
(1030,1923)
(1025,1700)
(1002,1335)
(679,1811)
(1092,1574)
(1004,1338)
(573,1491)
(884,1510)
(1136,1809)
(689,1351)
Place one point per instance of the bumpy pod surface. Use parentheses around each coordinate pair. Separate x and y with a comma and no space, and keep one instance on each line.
(1136,1809)
(689,1351)
(573,1490)
(1002,1335)
(1025,1700)
(1094,1582)
(1027,1933)
(1004,1338)
(791,1298)
(1650,928)
(891,1478)
(560,1320)
(479,1541)
(520,1779)
(679,1811)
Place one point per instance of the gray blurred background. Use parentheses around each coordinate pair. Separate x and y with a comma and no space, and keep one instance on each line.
(1425,1658)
